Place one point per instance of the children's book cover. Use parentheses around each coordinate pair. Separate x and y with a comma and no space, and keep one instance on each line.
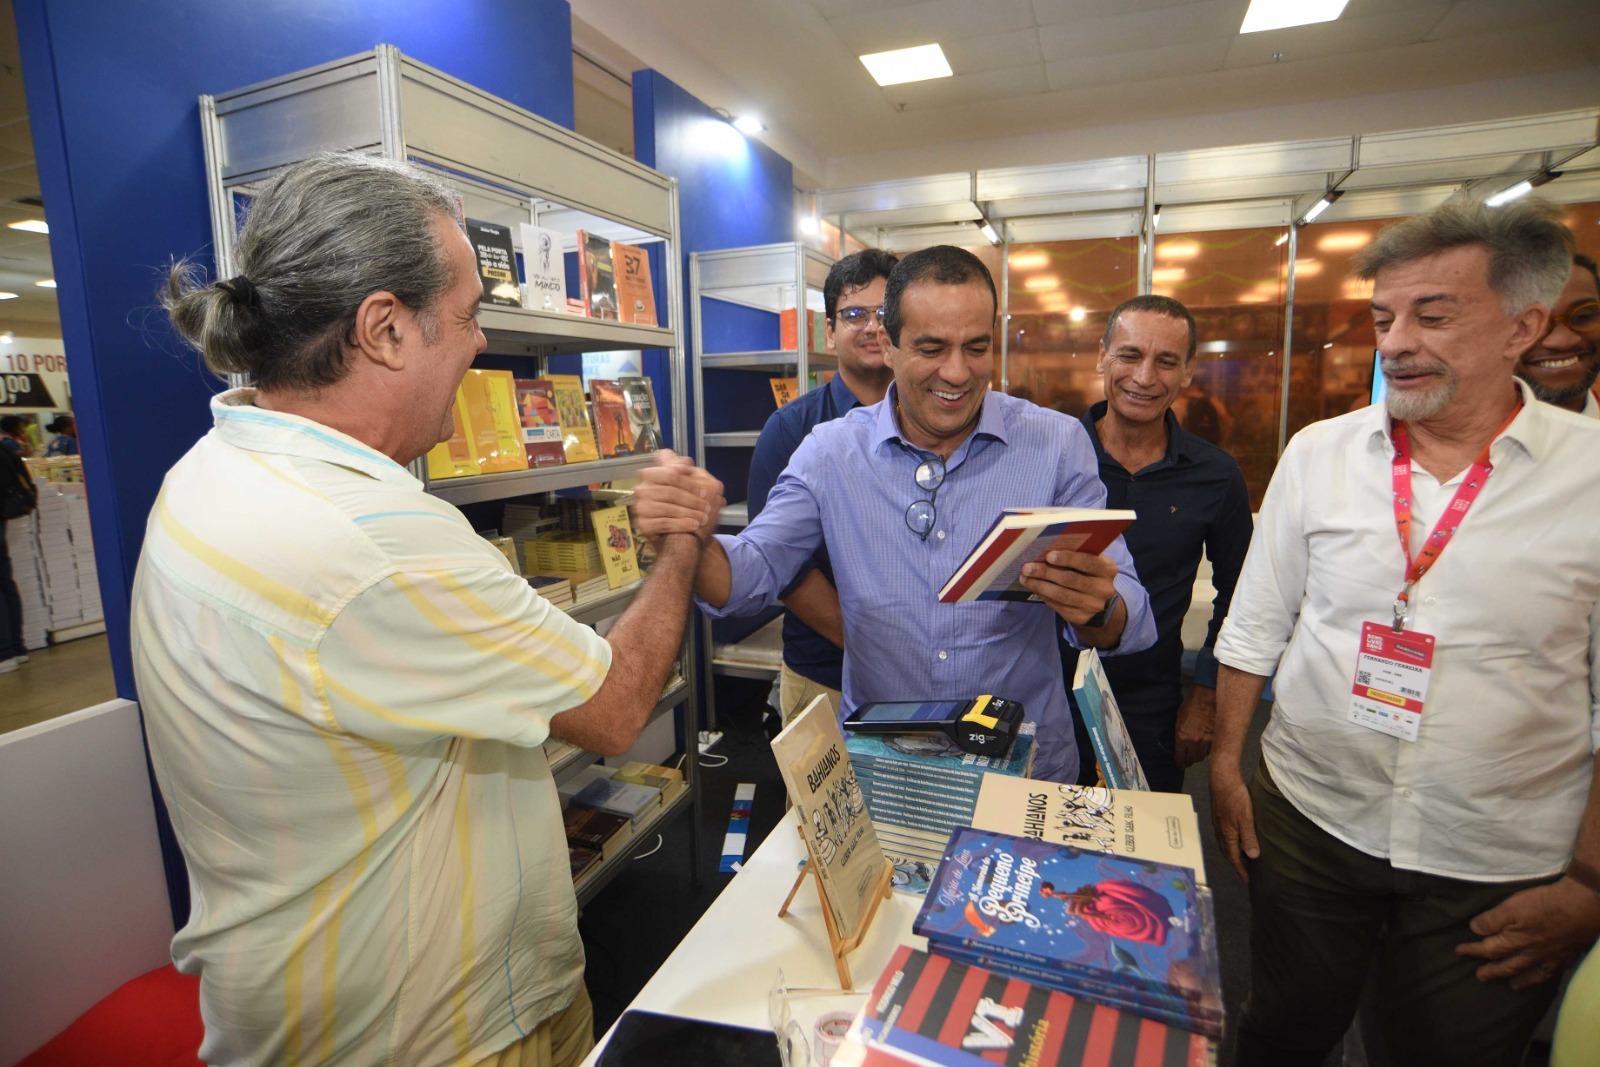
(1137,925)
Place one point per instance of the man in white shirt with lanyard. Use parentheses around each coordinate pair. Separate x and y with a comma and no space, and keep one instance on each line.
(1426,793)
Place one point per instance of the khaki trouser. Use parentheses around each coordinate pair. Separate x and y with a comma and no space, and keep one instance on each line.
(1321,910)
(796,692)
(562,1040)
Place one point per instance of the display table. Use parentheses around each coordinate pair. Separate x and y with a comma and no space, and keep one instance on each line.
(726,966)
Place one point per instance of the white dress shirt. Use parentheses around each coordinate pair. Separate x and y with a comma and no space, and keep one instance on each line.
(1591,406)
(1494,787)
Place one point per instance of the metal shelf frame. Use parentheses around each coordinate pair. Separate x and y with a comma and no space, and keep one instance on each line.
(508,165)
(768,278)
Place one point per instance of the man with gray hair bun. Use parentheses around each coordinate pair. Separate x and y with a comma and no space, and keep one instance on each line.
(344,687)
(1425,581)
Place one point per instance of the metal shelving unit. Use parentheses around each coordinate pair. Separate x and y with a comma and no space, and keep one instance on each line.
(767,278)
(509,166)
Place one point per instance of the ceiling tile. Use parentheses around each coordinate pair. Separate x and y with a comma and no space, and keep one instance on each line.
(1343,37)
(1471,17)
(1360,9)
(930,22)
(969,88)
(975,54)
(1139,31)
(1050,12)
(1137,66)
(843,9)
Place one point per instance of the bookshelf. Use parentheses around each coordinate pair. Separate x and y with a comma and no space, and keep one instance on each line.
(762,278)
(509,166)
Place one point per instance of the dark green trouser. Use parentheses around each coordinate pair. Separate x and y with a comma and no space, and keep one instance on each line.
(1320,910)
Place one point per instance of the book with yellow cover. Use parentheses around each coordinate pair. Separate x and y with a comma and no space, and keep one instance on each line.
(636,301)
(452,458)
(489,401)
(785,389)
(577,435)
(614,534)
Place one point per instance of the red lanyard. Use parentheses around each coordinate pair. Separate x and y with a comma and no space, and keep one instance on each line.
(1449,521)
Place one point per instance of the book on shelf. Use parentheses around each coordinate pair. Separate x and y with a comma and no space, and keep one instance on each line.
(577,435)
(993,569)
(497,262)
(1097,706)
(784,389)
(838,832)
(544,268)
(628,799)
(816,330)
(669,780)
(586,585)
(598,276)
(1137,934)
(489,407)
(556,590)
(506,547)
(593,828)
(636,300)
(1138,825)
(929,1009)
(563,553)
(540,422)
(613,535)
(452,458)
(644,420)
(580,858)
(610,418)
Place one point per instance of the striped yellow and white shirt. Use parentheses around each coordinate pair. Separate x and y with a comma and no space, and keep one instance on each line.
(345,690)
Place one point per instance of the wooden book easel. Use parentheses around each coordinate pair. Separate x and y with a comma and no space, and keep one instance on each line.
(841,945)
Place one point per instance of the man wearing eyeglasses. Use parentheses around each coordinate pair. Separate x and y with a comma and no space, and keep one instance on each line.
(1562,368)
(813,640)
(902,490)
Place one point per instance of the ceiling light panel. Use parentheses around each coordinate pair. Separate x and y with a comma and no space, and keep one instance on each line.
(1280,14)
(904,65)
(30,226)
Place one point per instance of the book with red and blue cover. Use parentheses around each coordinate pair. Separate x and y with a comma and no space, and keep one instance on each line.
(942,1011)
(1134,933)
(993,569)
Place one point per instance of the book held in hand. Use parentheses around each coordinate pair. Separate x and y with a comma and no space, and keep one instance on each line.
(1113,748)
(993,569)
(497,262)
(543,266)
(636,300)
(598,276)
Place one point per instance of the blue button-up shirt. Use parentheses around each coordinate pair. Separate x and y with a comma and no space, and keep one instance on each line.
(849,484)
(807,652)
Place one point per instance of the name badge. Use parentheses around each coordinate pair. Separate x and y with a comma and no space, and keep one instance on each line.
(1391,683)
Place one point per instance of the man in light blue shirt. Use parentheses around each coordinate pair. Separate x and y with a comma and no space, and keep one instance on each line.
(902,490)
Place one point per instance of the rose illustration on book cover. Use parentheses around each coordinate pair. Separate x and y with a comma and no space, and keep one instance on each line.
(1118,908)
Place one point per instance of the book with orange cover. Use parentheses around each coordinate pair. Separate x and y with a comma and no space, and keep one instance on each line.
(789,331)
(636,300)
(598,276)
(610,418)
(785,389)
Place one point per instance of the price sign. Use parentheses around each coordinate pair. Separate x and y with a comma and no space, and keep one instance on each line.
(26,391)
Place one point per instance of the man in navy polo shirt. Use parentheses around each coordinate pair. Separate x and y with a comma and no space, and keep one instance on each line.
(813,638)
(1189,495)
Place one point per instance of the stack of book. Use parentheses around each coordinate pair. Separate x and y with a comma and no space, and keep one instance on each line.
(553,588)
(929,1009)
(588,585)
(593,835)
(1137,935)
(524,522)
(563,552)
(62,593)
(594,787)
(919,787)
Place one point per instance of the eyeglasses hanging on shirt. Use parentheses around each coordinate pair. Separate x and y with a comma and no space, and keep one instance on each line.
(922,514)
(858,318)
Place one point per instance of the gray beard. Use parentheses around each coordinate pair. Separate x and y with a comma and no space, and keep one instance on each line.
(1414,407)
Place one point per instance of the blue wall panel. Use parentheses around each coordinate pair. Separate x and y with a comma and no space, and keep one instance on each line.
(111,96)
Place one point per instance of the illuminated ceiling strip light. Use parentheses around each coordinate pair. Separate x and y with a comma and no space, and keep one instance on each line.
(748,125)
(902,65)
(1281,14)
(48,283)
(1505,196)
(988,232)
(1321,205)
(30,225)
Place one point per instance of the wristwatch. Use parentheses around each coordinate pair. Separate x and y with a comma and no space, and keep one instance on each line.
(1103,616)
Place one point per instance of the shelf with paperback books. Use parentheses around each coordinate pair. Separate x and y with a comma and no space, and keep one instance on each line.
(526,190)
(598,876)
